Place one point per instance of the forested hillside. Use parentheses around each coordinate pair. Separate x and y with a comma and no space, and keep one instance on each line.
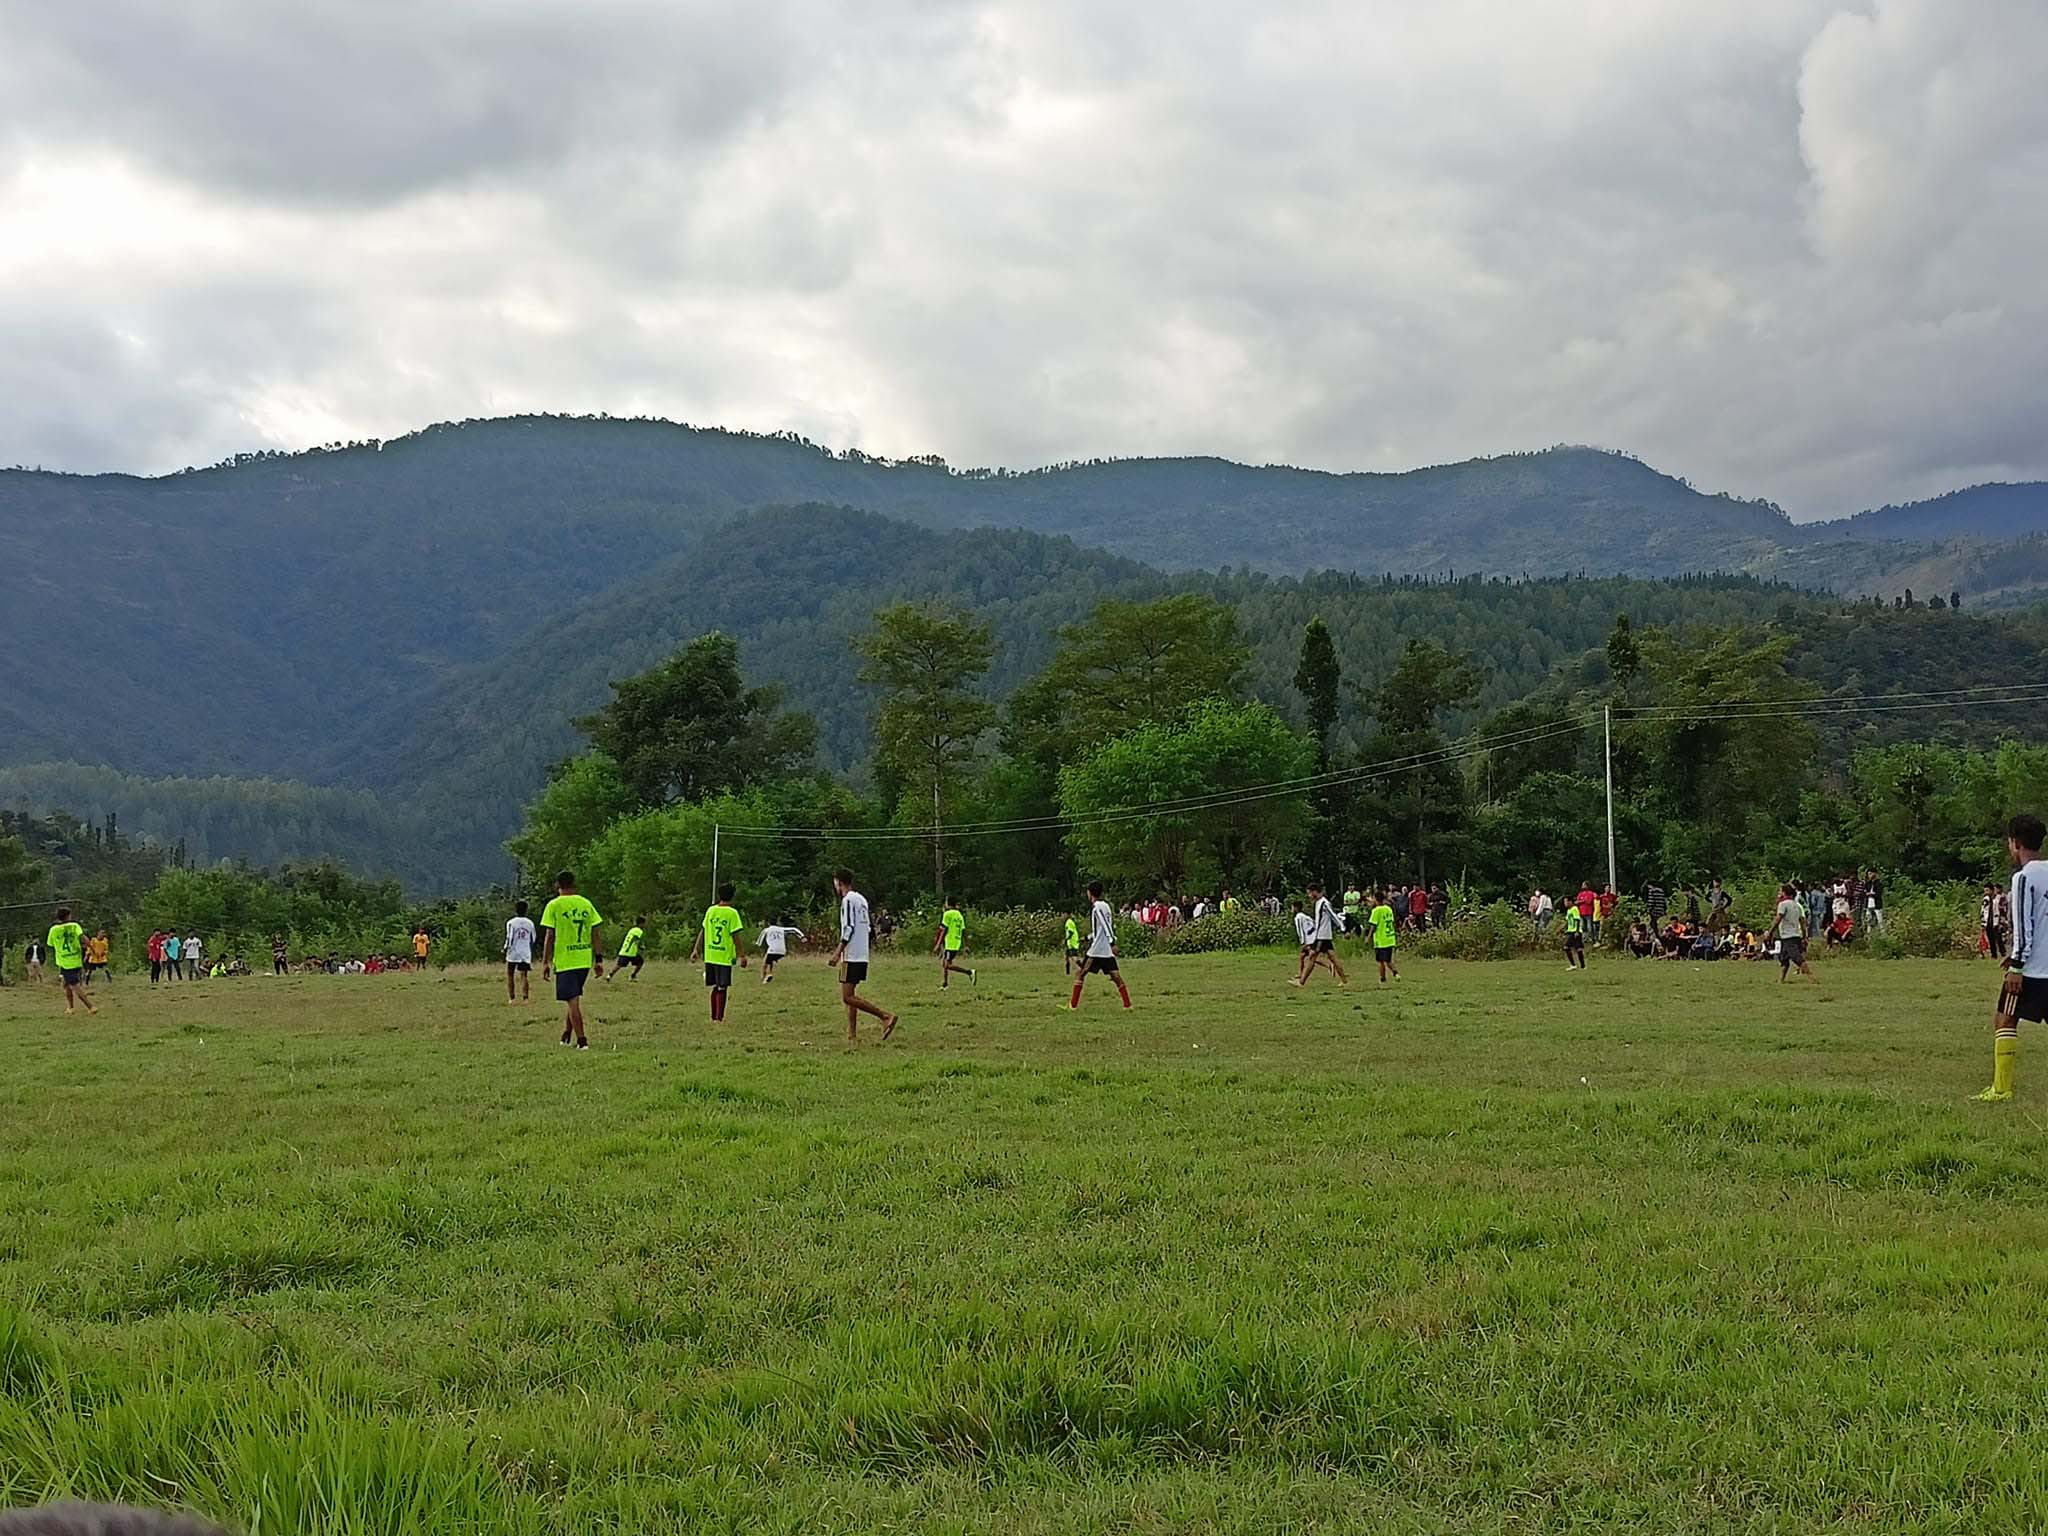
(421,619)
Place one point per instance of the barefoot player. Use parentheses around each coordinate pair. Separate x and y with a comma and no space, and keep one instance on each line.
(851,957)
(950,940)
(66,943)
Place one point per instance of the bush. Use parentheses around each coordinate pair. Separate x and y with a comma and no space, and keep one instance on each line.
(1242,929)
(1496,932)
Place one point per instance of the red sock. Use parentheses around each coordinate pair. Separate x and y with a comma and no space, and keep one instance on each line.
(1124,992)
(1076,1001)
(717,1005)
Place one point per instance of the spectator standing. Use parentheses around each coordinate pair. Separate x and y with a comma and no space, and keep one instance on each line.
(1658,905)
(1873,901)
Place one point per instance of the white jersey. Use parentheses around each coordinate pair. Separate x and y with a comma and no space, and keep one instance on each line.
(853,926)
(1101,932)
(519,937)
(192,948)
(2030,919)
(1304,929)
(774,940)
(1325,921)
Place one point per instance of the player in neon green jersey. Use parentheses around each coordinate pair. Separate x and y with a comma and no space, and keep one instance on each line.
(66,944)
(631,950)
(721,945)
(572,952)
(947,944)
(1385,935)
(1073,937)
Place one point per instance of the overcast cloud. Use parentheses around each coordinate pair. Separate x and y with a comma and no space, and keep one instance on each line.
(1790,248)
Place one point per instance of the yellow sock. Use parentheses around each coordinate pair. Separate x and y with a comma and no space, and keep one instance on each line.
(2003,1050)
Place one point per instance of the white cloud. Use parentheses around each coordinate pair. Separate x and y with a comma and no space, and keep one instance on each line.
(1785,247)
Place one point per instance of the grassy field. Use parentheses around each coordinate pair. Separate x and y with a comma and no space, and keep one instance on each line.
(1501,1248)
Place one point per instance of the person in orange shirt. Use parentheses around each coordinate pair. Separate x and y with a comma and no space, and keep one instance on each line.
(421,943)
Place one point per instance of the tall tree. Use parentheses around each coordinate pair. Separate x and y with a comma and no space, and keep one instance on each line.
(1420,804)
(1317,678)
(689,726)
(1215,747)
(925,660)
(1137,662)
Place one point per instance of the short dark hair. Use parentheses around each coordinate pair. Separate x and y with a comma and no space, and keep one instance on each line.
(843,875)
(65,912)
(2026,830)
(724,893)
(519,909)
(566,877)
(1095,889)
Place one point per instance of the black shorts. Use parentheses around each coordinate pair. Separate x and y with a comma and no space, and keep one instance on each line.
(1325,946)
(1575,941)
(2024,997)
(635,961)
(72,977)
(1101,965)
(569,984)
(1383,953)
(1073,953)
(517,965)
(718,976)
(954,954)
(853,972)
(768,960)
(1791,951)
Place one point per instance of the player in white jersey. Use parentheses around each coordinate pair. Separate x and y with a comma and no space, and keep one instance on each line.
(519,937)
(2024,993)
(1322,938)
(774,941)
(851,957)
(1101,958)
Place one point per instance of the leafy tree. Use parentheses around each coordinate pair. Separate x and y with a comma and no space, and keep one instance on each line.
(1135,662)
(1550,741)
(1624,655)
(21,880)
(690,726)
(583,797)
(1215,747)
(924,659)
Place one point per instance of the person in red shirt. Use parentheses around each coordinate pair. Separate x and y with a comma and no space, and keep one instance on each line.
(1588,903)
(1418,908)
(1604,913)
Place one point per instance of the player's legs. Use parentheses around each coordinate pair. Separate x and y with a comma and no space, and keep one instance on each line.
(2005,1040)
(1336,966)
(511,982)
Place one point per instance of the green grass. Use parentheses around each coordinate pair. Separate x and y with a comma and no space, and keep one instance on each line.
(1499,1249)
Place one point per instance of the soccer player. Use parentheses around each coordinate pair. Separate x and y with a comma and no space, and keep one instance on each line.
(774,943)
(851,957)
(66,943)
(1791,934)
(1101,948)
(1324,938)
(950,940)
(98,951)
(1073,938)
(1305,936)
(571,952)
(519,937)
(1386,933)
(720,944)
(1574,937)
(1354,909)
(2024,993)
(631,946)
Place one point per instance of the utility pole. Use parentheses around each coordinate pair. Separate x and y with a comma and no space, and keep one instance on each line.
(1607,730)
(714,861)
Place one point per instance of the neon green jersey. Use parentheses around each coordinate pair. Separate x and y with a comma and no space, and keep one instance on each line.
(956,928)
(1572,921)
(1383,935)
(1073,934)
(629,946)
(66,942)
(720,924)
(574,920)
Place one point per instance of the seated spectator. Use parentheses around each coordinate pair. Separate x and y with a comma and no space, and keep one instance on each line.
(1641,941)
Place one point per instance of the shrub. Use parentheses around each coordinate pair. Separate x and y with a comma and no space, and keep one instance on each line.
(1242,929)
(1495,932)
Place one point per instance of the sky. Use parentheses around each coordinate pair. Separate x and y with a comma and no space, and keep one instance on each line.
(1792,249)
